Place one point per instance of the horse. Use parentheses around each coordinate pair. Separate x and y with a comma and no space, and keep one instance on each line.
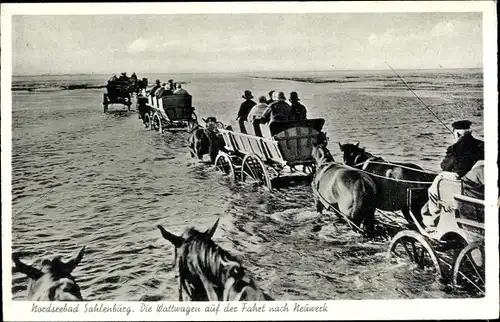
(392,193)
(348,191)
(206,140)
(53,282)
(207,272)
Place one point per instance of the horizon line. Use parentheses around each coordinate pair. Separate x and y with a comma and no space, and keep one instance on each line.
(260,71)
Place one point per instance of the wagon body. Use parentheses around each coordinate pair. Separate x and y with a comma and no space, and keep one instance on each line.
(118,92)
(168,112)
(258,151)
(288,143)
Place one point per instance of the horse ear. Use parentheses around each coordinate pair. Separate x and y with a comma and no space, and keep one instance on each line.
(28,270)
(211,231)
(70,265)
(174,239)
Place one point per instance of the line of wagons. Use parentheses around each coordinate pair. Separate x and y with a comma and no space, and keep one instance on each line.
(269,154)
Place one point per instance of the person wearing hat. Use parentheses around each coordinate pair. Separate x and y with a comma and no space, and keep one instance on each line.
(258,110)
(297,110)
(246,106)
(153,90)
(461,157)
(271,98)
(277,111)
(159,92)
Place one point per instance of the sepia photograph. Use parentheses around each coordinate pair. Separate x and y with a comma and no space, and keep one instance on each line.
(250,154)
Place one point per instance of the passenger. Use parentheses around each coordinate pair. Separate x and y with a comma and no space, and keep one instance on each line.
(277,111)
(297,110)
(459,160)
(153,90)
(171,84)
(271,98)
(112,79)
(180,90)
(159,92)
(246,106)
(123,77)
(258,110)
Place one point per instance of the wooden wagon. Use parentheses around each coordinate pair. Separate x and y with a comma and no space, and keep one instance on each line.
(262,153)
(118,92)
(168,112)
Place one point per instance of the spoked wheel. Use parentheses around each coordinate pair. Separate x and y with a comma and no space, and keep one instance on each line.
(253,169)
(156,123)
(224,164)
(147,120)
(468,271)
(413,247)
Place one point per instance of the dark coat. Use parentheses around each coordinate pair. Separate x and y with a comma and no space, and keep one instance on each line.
(461,156)
(245,108)
(298,111)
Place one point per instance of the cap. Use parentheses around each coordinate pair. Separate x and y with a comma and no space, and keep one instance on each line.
(461,125)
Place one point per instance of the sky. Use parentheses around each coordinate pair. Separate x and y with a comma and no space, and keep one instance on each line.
(180,43)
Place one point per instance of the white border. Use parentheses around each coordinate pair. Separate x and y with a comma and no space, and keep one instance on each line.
(487,308)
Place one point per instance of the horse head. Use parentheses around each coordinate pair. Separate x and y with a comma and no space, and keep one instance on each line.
(321,154)
(353,154)
(207,271)
(53,282)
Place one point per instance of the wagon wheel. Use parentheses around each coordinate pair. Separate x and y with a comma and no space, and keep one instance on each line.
(253,169)
(223,163)
(147,120)
(412,246)
(468,271)
(156,123)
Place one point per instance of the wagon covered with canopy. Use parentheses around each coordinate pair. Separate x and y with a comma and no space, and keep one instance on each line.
(262,153)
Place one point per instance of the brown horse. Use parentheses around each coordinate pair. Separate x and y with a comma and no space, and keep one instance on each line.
(206,140)
(53,282)
(392,194)
(349,191)
(209,273)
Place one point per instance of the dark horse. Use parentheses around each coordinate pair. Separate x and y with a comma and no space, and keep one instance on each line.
(392,194)
(209,273)
(206,140)
(53,282)
(349,191)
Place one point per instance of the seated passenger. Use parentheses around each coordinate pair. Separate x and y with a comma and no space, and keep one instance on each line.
(257,112)
(246,106)
(155,88)
(160,90)
(180,90)
(278,110)
(271,98)
(459,160)
(297,110)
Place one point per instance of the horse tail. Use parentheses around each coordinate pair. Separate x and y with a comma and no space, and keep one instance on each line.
(363,204)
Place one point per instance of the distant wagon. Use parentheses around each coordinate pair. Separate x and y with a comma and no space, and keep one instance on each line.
(118,92)
(263,153)
(168,112)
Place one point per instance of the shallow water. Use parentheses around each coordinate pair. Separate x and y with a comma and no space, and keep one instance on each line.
(81,177)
